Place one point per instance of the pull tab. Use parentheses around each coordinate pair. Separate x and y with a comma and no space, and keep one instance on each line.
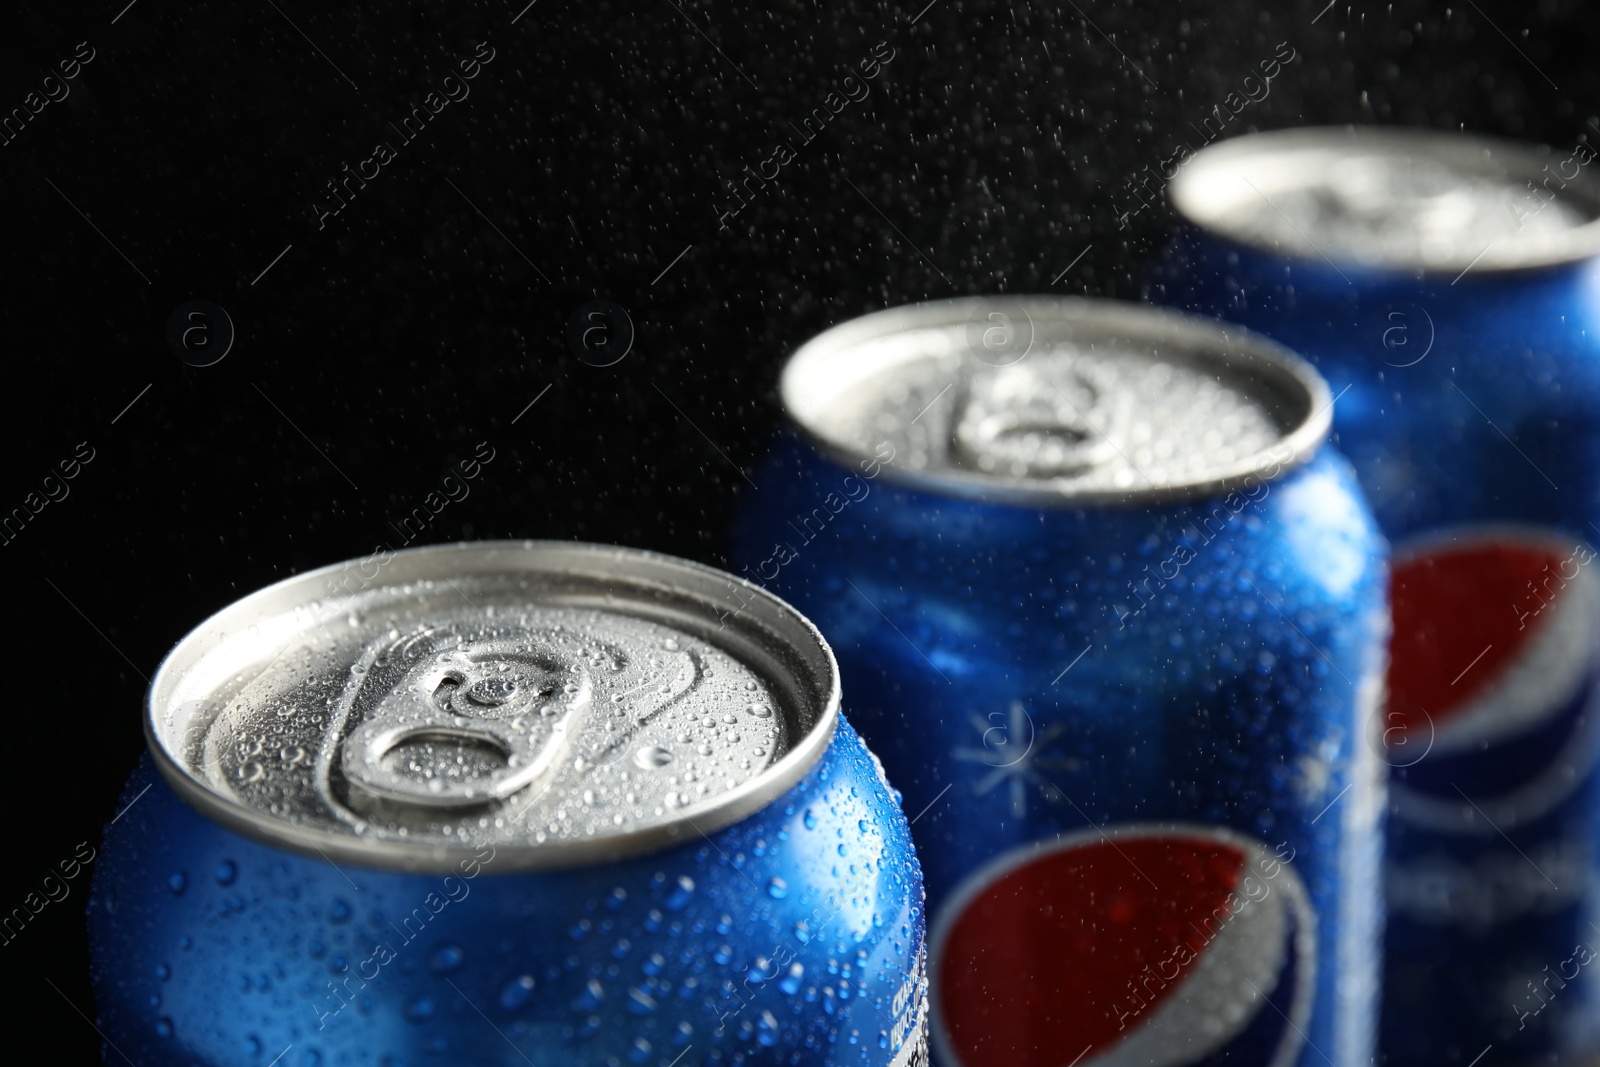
(1043,419)
(467,728)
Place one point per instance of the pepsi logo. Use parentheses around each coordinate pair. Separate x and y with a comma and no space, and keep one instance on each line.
(1161,945)
(1492,673)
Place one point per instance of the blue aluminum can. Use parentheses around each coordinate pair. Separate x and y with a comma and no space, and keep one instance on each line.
(503,803)
(1113,615)
(1495,817)
(1445,285)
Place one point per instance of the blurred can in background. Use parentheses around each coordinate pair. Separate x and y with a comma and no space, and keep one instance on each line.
(498,803)
(1444,284)
(1112,613)
(1447,286)
(1494,825)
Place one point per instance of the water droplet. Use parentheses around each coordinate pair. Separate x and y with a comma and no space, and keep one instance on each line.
(681,894)
(651,757)
(339,912)
(163,971)
(446,959)
(226,872)
(164,1027)
(420,1009)
(640,1002)
(593,993)
(791,981)
(517,993)
(178,882)
(810,820)
(250,772)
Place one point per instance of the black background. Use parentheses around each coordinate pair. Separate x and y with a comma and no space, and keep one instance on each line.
(996,147)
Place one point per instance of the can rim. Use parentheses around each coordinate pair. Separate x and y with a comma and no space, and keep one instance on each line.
(832,357)
(703,599)
(1466,152)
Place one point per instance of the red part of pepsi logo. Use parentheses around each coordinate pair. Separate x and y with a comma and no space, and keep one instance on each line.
(1155,945)
(1456,627)
(1492,674)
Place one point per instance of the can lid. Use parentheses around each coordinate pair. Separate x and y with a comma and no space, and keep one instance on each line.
(1051,401)
(1395,199)
(564,703)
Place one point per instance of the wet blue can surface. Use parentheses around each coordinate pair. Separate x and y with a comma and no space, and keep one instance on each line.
(1124,672)
(1463,345)
(1446,286)
(614,817)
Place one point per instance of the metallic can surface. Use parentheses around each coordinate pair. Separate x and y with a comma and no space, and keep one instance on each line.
(1113,616)
(1446,287)
(1492,875)
(498,802)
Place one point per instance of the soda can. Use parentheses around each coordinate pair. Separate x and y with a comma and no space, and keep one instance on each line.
(1443,283)
(1112,613)
(1492,876)
(501,803)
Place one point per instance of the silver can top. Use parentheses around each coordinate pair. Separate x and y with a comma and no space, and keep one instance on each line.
(1395,199)
(565,703)
(1052,401)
